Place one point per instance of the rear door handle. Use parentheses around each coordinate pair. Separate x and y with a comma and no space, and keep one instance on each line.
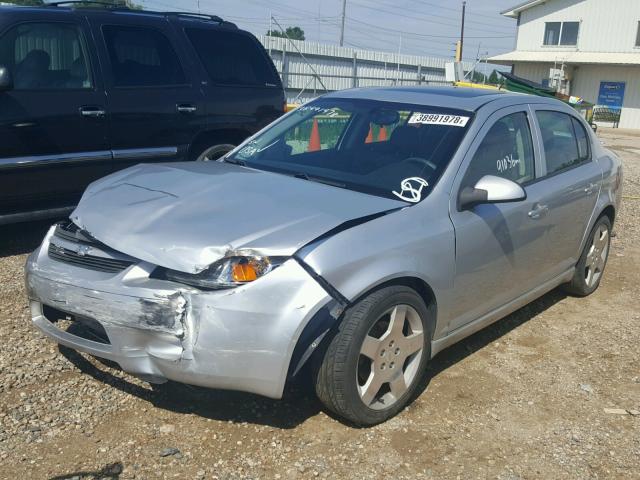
(92,112)
(186,108)
(538,211)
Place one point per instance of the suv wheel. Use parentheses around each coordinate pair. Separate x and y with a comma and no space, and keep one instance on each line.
(594,257)
(214,152)
(374,364)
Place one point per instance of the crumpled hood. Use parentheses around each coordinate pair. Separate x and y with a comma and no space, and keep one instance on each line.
(186,216)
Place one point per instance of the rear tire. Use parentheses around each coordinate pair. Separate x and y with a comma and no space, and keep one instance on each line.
(213,152)
(373,366)
(592,262)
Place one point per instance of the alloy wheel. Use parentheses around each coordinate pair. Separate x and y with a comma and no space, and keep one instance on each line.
(390,356)
(597,256)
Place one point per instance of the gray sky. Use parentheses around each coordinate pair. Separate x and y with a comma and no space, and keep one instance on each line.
(427,27)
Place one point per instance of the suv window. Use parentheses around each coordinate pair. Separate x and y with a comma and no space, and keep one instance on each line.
(46,56)
(232,58)
(506,151)
(142,57)
(565,141)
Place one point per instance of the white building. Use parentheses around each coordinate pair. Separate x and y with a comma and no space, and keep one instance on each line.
(587,48)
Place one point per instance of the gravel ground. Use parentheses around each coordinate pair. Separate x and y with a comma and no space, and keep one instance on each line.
(544,393)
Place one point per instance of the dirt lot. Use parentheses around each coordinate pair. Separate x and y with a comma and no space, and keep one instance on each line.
(523,399)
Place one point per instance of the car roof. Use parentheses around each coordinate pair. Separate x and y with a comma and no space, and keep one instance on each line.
(73,8)
(462,98)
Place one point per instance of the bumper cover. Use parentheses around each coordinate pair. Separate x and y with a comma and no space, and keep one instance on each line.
(238,339)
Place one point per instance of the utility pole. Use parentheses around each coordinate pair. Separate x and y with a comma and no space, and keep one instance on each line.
(344,13)
(464,6)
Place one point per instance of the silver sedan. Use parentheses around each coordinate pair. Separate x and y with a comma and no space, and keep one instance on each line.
(359,235)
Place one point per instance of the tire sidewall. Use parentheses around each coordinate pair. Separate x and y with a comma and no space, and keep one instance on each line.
(396,296)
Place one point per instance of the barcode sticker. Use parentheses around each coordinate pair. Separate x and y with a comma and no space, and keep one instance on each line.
(439,119)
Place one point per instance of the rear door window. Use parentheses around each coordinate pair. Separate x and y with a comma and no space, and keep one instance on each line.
(564,146)
(232,58)
(46,56)
(142,57)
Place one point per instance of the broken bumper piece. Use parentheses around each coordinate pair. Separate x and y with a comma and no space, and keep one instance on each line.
(237,339)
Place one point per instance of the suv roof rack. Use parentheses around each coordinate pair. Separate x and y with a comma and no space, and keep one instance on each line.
(87,2)
(204,16)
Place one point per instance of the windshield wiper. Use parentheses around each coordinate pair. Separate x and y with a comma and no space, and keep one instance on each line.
(235,161)
(304,176)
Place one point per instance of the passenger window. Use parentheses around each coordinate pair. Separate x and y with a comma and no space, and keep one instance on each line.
(142,57)
(506,151)
(320,132)
(232,58)
(46,56)
(562,147)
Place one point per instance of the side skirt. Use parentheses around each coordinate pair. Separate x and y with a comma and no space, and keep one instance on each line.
(453,337)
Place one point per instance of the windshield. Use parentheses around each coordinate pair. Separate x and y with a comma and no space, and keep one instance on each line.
(387,149)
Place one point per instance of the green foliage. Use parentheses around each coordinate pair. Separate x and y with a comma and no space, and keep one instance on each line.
(478,77)
(115,3)
(494,79)
(294,33)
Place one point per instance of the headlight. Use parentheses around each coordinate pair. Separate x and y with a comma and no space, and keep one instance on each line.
(225,273)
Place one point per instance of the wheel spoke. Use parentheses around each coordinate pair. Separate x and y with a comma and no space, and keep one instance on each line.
(413,343)
(398,386)
(602,238)
(591,256)
(370,389)
(370,347)
(396,323)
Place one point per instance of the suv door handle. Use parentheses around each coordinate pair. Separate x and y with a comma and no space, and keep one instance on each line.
(538,211)
(589,189)
(92,112)
(186,108)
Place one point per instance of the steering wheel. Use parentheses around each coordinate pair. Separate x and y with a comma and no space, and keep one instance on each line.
(422,161)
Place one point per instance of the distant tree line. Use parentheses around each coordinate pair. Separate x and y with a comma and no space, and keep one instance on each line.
(115,3)
(294,33)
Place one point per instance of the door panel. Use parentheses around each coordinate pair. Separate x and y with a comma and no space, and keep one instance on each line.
(50,150)
(154,111)
(572,182)
(498,246)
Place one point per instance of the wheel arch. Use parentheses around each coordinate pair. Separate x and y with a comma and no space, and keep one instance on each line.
(209,138)
(609,211)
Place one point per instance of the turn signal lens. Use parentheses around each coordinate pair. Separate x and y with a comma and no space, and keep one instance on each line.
(244,272)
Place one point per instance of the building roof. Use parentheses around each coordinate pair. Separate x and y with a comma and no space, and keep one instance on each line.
(515,10)
(570,57)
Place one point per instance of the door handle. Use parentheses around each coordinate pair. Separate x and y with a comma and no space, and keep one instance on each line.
(92,112)
(538,211)
(186,108)
(589,189)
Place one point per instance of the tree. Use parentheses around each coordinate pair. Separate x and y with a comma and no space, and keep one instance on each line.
(493,78)
(478,77)
(294,33)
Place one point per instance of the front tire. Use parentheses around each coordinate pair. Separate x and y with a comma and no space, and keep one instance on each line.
(213,152)
(375,363)
(590,266)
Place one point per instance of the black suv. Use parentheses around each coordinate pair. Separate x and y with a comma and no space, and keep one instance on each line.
(88,91)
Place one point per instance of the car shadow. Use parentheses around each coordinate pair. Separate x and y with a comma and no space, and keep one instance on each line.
(111,471)
(299,402)
(21,238)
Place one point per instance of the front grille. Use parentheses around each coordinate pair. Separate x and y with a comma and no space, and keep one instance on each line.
(92,262)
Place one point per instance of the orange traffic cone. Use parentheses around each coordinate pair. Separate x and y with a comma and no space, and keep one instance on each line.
(369,138)
(382,134)
(314,140)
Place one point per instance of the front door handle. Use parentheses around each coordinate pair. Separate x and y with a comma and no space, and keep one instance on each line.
(538,211)
(92,112)
(590,189)
(186,108)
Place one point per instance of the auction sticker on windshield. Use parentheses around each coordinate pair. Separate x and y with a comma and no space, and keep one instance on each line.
(438,119)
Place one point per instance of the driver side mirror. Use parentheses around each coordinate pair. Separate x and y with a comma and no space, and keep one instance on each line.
(6,80)
(490,189)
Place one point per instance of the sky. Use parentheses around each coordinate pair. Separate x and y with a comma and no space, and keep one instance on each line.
(417,27)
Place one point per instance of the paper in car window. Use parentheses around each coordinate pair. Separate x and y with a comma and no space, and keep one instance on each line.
(439,119)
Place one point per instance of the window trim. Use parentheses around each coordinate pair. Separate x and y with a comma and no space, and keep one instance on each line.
(84,39)
(550,108)
(259,46)
(559,44)
(112,84)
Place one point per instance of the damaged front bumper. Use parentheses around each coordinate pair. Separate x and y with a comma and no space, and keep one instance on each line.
(238,339)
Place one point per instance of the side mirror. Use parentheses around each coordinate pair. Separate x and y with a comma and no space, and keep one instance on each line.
(490,189)
(6,80)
